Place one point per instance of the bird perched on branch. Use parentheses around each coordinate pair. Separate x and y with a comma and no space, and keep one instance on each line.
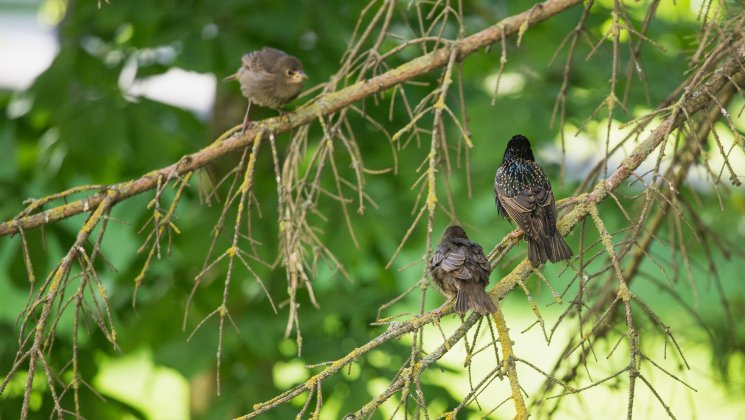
(270,78)
(461,272)
(523,194)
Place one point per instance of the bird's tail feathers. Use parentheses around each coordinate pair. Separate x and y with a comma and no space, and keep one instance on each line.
(536,252)
(473,297)
(557,249)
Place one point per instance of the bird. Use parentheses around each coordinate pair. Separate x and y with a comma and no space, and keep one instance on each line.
(270,78)
(461,271)
(523,195)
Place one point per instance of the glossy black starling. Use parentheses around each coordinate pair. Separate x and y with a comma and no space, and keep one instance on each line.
(269,77)
(523,194)
(461,272)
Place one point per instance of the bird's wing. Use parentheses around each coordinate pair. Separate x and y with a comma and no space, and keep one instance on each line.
(479,258)
(545,200)
(534,208)
(497,192)
(520,209)
(451,258)
(262,61)
(437,257)
(476,263)
(253,62)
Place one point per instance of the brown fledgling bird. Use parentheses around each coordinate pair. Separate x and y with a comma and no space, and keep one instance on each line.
(270,78)
(523,195)
(461,272)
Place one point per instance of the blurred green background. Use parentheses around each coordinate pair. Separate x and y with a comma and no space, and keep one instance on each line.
(100,114)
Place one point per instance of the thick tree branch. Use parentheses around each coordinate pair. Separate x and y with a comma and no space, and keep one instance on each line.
(307,113)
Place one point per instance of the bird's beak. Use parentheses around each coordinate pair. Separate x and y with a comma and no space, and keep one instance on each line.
(301,76)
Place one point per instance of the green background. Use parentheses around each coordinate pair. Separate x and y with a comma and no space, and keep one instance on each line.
(81,128)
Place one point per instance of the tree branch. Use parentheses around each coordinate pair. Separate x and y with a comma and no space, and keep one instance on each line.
(508,362)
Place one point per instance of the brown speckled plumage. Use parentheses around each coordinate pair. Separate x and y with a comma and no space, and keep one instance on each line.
(461,272)
(270,78)
(523,194)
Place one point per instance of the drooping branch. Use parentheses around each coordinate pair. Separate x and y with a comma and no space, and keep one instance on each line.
(674,176)
(53,291)
(508,362)
(323,105)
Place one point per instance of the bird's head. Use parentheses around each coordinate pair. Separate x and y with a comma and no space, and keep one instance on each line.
(292,69)
(454,231)
(519,148)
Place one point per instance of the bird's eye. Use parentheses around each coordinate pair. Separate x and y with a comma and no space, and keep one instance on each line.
(289,72)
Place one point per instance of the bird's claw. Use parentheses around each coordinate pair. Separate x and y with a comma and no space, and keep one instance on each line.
(515,234)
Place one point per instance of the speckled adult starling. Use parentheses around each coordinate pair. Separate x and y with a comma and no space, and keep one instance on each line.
(523,194)
(461,272)
(269,77)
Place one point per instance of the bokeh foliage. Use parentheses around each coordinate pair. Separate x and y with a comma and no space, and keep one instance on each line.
(82,128)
